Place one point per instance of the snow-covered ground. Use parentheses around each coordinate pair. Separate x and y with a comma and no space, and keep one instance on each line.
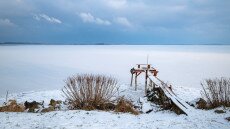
(108,120)
(42,67)
(66,119)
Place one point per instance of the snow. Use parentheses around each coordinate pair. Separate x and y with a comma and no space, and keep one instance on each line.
(108,120)
(146,106)
(71,119)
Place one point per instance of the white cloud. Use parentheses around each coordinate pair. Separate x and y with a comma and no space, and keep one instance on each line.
(87,17)
(6,22)
(47,18)
(123,21)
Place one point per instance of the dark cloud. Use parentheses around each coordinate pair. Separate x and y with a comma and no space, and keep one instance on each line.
(115,21)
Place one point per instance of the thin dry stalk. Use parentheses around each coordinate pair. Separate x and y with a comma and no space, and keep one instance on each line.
(216,92)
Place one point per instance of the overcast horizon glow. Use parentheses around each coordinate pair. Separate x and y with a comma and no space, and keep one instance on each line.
(115,21)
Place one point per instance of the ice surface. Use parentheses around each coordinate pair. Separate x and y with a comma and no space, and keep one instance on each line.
(41,67)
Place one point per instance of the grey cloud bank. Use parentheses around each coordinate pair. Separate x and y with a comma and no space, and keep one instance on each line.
(116,21)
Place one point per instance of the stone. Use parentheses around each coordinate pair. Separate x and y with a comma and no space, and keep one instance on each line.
(31,106)
(31,110)
(228,119)
(55,104)
(219,111)
(49,109)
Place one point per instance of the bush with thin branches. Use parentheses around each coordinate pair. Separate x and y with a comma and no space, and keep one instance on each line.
(216,92)
(89,92)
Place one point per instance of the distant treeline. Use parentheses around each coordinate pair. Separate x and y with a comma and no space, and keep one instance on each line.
(30,43)
(37,43)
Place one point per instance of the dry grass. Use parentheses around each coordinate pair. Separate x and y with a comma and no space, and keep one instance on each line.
(216,92)
(124,105)
(89,91)
(12,106)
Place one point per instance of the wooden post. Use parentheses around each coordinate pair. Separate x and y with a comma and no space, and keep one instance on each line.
(131,84)
(155,73)
(148,66)
(146,77)
(136,81)
(150,83)
(154,85)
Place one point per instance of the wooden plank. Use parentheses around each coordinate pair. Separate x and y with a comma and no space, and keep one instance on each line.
(176,100)
(171,92)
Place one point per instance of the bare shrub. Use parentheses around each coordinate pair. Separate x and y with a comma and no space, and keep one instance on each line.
(89,91)
(216,92)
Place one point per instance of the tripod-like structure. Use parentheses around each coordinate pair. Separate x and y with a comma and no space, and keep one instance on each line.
(142,68)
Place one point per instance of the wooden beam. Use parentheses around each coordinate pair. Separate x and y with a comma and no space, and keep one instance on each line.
(139,73)
(131,84)
(146,82)
(136,81)
(139,70)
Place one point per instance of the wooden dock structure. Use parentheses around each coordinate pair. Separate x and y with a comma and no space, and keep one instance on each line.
(156,83)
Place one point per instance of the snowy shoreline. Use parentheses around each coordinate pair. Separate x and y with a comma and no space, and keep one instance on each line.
(201,119)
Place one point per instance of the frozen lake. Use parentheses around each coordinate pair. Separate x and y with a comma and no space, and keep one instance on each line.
(41,67)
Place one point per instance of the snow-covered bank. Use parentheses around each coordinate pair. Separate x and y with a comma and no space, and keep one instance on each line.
(200,119)
(188,94)
(79,119)
(44,67)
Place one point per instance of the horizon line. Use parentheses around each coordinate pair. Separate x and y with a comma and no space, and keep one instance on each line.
(101,43)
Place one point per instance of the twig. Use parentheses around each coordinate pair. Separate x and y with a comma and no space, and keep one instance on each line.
(7,92)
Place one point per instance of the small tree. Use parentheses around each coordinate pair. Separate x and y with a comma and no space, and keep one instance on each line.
(216,92)
(89,91)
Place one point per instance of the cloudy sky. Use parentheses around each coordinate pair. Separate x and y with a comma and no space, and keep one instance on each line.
(116,21)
